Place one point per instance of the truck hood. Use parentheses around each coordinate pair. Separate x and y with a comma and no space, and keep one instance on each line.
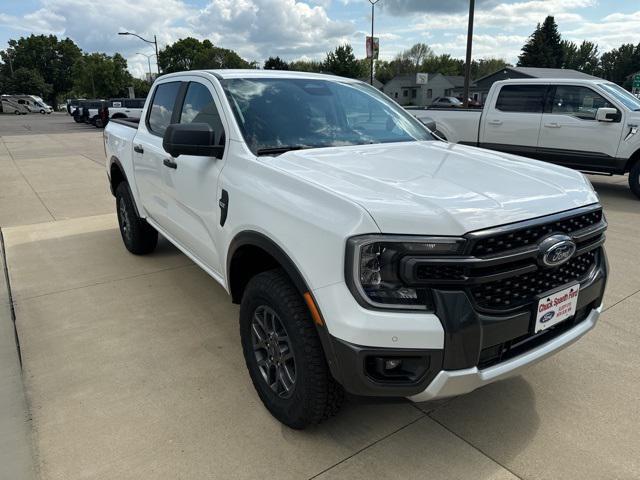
(439,188)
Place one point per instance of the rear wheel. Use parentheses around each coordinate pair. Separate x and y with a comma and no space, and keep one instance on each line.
(137,235)
(634,178)
(283,353)
(16,112)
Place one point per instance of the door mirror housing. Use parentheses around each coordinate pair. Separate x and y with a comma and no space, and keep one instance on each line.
(430,124)
(191,139)
(606,114)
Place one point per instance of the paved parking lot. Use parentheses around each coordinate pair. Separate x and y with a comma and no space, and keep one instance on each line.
(132,366)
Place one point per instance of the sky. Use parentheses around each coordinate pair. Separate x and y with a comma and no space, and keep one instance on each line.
(307,29)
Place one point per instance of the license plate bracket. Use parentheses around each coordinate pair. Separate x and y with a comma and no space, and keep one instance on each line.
(555,307)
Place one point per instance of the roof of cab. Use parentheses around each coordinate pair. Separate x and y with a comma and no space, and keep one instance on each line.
(554,81)
(252,73)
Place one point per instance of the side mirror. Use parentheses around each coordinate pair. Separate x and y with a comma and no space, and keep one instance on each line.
(430,124)
(607,115)
(191,139)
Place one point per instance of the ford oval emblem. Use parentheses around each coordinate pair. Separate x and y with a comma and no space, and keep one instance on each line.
(547,316)
(556,250)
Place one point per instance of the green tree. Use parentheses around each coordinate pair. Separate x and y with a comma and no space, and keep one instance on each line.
(306,66)
(583,58)
(618,64)
(275,63)
(417,54)
(53,59)
(140,87)
(483,67)
(444,64)
(544,47)
(192,54)
(99,75)
(27,81)
(343,62)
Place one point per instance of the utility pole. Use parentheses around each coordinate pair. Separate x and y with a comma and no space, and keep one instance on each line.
(467,70)
(373,8)
(149,62)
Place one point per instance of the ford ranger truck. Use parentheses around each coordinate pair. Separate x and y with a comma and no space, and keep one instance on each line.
(367,256)
(588,125)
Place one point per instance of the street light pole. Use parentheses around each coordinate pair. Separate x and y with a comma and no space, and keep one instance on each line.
(373,7)
(149,62)
(155,42)
(467,70)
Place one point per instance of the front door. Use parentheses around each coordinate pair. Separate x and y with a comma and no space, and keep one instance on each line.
(512,123)
(571,135)
(192,182)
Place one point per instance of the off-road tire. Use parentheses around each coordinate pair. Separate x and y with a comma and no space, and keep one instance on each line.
(138,236)
(315,395)
(634,178)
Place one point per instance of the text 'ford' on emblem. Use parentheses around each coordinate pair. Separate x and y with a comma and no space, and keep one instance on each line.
(556,250)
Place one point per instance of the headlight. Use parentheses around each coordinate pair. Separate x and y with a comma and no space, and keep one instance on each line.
(373,270)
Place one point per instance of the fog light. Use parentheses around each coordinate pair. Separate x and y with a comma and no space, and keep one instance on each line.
(391,364)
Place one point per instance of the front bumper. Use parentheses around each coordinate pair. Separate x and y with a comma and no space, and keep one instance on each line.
(478,348)
(449,383)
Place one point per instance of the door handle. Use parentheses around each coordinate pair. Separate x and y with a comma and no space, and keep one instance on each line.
(495,122)
(170,163)
(138,149)
(552,125)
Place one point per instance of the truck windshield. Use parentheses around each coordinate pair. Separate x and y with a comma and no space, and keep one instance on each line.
(280,114)
(623,96)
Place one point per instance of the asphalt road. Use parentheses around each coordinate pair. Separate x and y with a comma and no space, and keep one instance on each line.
(132,366)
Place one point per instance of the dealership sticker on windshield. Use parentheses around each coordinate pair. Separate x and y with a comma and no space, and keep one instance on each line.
(554,308)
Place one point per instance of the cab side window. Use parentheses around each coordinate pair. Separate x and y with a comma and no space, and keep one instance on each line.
(580,102)
(521,98)
(161,110)
(199,107)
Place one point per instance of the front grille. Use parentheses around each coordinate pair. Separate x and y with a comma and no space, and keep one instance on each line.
(519,290)
(433,273)
(530,235)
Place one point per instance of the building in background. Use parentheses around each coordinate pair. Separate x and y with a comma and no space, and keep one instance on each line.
(422,89)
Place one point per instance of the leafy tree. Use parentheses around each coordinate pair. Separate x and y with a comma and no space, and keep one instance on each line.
(443,64)
(544,47)
(583,58)
(342,61)
(275,64)
(192,54)
(483,67)
(140,87)
(53,59)
(618,64)
(27,81)
(417,54)
(98,75)
(306,66)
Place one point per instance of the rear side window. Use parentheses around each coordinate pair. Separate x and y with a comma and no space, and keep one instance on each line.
(161,110)
(521,98)
(199,107)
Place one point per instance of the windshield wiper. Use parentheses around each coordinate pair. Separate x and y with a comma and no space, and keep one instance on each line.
(277,150)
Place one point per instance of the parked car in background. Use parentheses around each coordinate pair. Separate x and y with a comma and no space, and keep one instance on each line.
(446,102)
(472,103)
(589,125)
(87,111)
(72,104)
(125,107)
(365,255)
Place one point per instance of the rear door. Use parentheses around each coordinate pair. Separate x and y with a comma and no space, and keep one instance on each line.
(571,135)
(192,181)
(512,123)
(148,153)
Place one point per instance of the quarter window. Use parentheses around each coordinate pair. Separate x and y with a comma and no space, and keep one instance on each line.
(521,98)
(162,107)
(580,102)
(199,107)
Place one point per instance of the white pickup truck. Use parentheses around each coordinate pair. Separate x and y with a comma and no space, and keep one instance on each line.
(588,125)
(366,255)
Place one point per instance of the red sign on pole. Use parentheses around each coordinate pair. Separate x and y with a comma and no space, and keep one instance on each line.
(373,47)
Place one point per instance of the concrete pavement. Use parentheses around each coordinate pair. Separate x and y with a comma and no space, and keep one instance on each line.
(133,366)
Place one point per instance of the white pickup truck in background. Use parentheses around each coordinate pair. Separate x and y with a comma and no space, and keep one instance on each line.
(366,255)
(588,125)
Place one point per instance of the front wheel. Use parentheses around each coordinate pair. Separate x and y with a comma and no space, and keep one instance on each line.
(634,178)
(283,353)
(138,236)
